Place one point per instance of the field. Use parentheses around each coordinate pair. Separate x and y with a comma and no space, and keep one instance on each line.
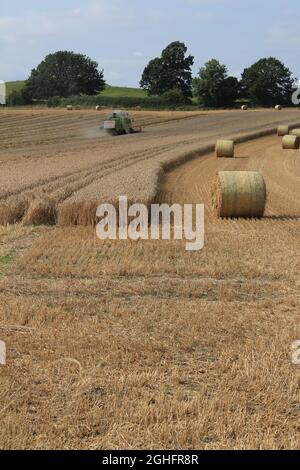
(142,344)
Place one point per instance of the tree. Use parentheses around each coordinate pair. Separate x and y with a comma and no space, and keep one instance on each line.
(65,74)
(231,91)
(213,87)
(19,98)
(268,82)
(171,71)
(176,98)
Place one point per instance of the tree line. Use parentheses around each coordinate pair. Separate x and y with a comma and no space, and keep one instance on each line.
(64,74)
(265,83)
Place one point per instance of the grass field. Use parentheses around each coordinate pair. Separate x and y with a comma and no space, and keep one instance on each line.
(115,91)
(110,91)
(14,86)
(126,345)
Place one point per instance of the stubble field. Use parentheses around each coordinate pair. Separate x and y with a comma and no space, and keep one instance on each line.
(142,344)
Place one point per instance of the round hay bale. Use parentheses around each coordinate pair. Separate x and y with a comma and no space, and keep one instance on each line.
(69,107)
(225,148)
(278,107)
(244,107)
(239,194)
(78,107)
(295,132)
(283,130)
(98,108)
(290,142)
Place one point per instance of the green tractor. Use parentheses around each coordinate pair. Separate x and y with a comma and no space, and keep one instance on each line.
(119,123)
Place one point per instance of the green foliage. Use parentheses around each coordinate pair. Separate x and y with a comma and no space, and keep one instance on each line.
(231,91)
(19,98)
(5,262)
(173,70)
(116,91)
(153,102)
(113,91)
(54,102)
(14,86)
(176,98)
(268,82)
(65,74)
(213,87)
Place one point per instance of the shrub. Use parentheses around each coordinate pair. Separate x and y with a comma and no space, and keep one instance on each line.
(170,100)
(19,98)
(176,98)
(54,102)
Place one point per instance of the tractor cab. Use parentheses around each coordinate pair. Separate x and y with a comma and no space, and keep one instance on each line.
(119,123)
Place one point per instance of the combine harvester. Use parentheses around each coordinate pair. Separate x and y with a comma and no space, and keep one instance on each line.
(119,123)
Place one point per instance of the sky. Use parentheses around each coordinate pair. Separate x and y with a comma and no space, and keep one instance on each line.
(122,36)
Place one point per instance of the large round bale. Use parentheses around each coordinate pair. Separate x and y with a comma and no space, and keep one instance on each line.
(283,130)
(278,107)
(225,149)
(239,194)
(78,107)
(244,107)
(69,107)
(98,108)
(290,142)
(295,132)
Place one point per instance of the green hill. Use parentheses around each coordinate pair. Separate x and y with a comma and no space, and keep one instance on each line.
(116,91)
(110,91)
(14,86)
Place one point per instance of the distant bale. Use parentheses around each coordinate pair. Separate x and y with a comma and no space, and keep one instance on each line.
(283,130)
(41,212)
(138,108)
(278,107)
(78,107)
(295,132)
(290,142)
(244,107)
(225,148)
(239,194)
(98,108)
(69,107)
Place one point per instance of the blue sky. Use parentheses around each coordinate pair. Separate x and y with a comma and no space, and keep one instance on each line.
(122,36)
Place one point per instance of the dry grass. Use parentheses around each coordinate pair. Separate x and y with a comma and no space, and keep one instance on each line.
(41,212)
(115,345)
(61,156)
(134,345)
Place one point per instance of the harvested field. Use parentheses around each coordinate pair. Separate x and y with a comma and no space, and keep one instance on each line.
(63,156)
(142,344)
